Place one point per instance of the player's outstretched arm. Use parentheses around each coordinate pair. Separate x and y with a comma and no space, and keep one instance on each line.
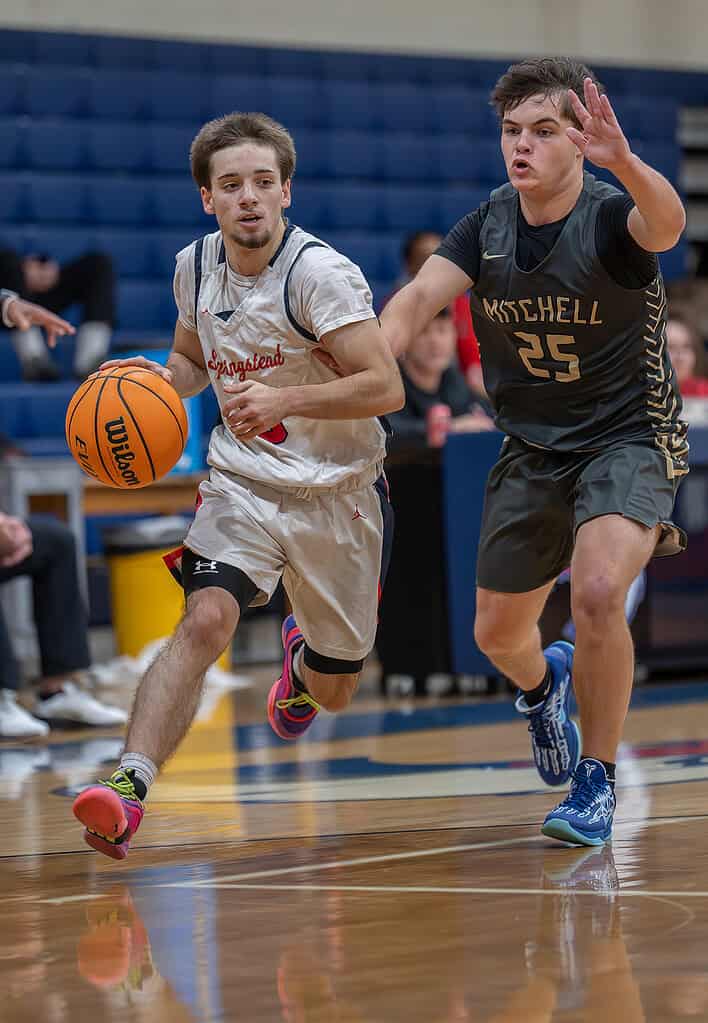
(185,368)
(658,216)
(411,309)
(369,385)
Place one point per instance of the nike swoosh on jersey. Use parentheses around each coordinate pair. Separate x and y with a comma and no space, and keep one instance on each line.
(496,255)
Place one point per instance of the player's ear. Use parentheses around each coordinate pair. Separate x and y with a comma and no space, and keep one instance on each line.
(286,194)
(207,200)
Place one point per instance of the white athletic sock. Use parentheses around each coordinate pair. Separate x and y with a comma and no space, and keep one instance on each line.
(299,665)
(92,342)
(144,768)
(29,345)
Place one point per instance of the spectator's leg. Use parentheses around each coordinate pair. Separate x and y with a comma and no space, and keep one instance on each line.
(90,281)
(15,721)
(59,611)
(28,344)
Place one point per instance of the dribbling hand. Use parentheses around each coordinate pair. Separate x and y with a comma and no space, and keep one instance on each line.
(142,363)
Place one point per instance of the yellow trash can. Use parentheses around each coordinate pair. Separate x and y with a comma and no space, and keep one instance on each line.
(146,602)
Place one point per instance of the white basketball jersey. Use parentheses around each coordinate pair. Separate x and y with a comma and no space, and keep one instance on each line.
(265,328)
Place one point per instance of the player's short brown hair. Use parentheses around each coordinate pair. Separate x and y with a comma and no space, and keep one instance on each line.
(541,76)
(232,129)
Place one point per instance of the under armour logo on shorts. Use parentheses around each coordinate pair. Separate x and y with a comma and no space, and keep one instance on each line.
(205,567)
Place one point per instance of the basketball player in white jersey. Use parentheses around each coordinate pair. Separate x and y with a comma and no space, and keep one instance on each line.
(296,487)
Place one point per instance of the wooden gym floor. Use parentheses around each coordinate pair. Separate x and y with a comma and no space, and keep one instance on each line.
(390,868)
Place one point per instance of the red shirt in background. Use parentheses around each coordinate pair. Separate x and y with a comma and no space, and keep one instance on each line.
(467,347)
(694,387)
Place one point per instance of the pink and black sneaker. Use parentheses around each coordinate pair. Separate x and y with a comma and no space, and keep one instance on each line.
(291,710)
(111,812)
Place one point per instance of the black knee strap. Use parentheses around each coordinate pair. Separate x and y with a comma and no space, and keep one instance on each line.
(331,665)
(198,573)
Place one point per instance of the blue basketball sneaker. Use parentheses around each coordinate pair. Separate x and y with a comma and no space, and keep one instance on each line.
(585,815)
(555,739)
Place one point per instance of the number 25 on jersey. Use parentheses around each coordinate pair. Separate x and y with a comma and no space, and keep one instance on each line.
(568,363)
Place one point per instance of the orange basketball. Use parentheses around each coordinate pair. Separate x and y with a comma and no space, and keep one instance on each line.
(126,427)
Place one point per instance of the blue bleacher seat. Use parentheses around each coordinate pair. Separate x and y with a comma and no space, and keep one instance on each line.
(175,202)
(167,147)
(165,245)
(351,154)
(402,107)
(118,95)
(45,408)
(13,136)
(348,106)
(406,158)
(308,208)
(69,49)
(225,93)
(130,250)
(56,198)
(344,66)
(174,96)
(118,200)
(13,85)
(64,243)
(118,145)
(312,154)
(57,92)
(222,59)
(176,55)
(408,208)
(56,145)
(124,53)
(13,403)
(296,102)
(456,109)
(455,202)
(17,47)
(145,305)
(351,206)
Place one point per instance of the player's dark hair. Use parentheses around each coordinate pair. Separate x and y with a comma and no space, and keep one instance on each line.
(233,129)
(541,76)
(679,314)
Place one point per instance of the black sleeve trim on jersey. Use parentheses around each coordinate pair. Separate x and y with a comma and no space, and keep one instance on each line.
(308,335)
(627,263)
(289,228)
(222,253)
(197,276)
(461,244)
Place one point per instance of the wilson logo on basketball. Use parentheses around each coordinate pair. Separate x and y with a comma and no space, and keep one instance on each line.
(241,369)
(120,449)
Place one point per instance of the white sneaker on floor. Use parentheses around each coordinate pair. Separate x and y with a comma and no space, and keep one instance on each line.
(15,721)
(73,705)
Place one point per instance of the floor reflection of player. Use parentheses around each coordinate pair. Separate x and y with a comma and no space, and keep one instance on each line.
(114,955)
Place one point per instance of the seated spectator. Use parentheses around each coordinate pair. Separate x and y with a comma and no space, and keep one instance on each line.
(419,660)
(687,353)
(430,380)
(44,549)
(89,281)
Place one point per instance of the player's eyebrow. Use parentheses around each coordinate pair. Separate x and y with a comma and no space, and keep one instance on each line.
(236,174)
(541,120)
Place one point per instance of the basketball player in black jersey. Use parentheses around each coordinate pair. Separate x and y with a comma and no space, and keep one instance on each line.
(570,312)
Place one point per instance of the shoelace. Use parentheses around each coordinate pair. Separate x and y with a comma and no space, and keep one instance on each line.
(584,791)
(301,700)
(121,783)
(540,733)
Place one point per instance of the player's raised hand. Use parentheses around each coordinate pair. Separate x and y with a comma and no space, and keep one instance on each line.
(254,408)
(142,363)
(601,138)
